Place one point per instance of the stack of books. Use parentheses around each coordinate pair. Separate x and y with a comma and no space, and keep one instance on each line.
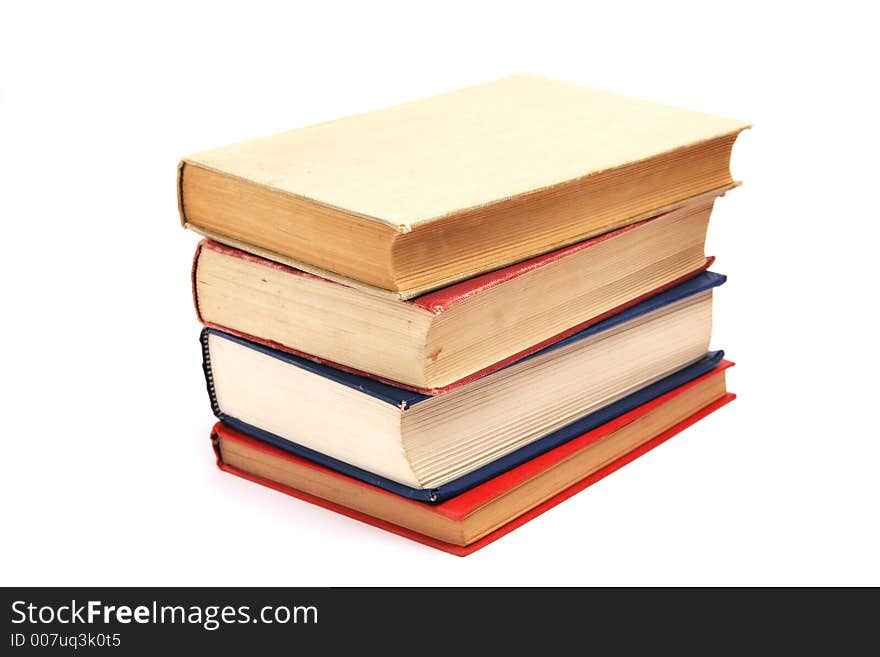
(445,317)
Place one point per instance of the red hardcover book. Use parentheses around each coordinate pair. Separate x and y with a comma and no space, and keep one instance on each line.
(449,337)
(483,514)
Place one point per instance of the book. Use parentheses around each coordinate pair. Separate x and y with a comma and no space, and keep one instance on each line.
(473,519)
(418,196)
(451,336)
(423,442)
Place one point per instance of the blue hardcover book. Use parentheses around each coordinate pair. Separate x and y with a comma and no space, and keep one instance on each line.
(431,448)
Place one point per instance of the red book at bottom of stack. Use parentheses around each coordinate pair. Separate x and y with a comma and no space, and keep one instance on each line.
(485,513)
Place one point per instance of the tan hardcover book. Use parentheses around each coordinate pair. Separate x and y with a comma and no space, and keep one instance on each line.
(415,197)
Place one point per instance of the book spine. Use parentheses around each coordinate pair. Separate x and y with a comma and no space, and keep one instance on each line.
(180,206)
(194,281)
(209,377)
(215,445)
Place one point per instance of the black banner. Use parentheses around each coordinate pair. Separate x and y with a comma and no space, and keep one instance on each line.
(141,620)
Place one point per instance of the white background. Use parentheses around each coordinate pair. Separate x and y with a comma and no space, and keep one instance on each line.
(107,474)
